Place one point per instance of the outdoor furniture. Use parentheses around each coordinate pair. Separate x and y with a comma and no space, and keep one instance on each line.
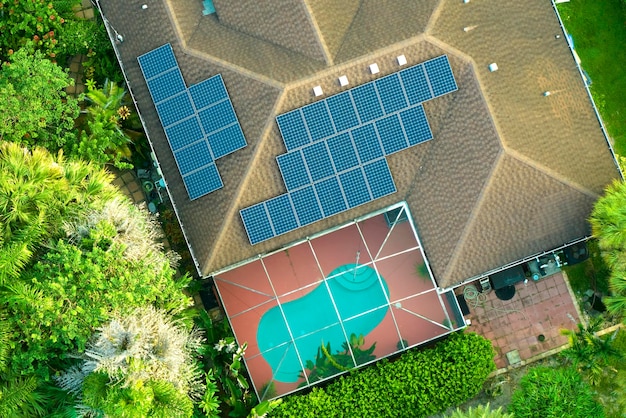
(507,277)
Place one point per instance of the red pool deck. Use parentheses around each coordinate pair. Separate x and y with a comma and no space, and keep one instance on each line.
(415,311)
(538,308)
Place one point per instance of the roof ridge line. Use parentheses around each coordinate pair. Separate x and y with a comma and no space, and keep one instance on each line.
(246,178)
(230,66)
(336,68)
(547,171)
(474,214)
(433,18)
(320,37)
(448,48)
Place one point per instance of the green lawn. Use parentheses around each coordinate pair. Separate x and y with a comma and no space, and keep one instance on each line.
(599,31)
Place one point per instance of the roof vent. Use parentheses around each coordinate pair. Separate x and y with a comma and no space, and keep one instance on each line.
(343,81)
(317,91)
(401,60)
(493,67)
(374,68)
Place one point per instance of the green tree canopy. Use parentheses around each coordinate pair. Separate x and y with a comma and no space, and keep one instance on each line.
(140,364)
(35,110)
(554,393)
(19,395)
(34,22)
(71,291)
(102,138)
(480,411)
(38,193)
(608,224)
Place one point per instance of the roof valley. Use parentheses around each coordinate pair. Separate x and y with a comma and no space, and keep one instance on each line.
(233,211)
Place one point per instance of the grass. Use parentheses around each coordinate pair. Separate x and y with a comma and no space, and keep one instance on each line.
(599,31)
(590,274)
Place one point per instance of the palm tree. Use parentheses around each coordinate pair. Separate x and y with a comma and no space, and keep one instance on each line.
(481,411)
(104,137)
(38,192)
(144,360)
(19,395)
(608,224)
(588,352)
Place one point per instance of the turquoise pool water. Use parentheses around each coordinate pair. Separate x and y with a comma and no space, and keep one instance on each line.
(313,319)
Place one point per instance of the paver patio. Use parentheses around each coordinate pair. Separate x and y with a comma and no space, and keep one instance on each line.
(538,308)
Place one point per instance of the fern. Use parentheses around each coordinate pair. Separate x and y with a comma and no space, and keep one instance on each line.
(13,258)
(20,397)
(169,402)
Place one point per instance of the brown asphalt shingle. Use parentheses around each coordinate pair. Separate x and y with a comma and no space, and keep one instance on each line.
(509,173)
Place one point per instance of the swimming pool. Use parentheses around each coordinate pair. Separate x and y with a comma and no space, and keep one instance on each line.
(353,299)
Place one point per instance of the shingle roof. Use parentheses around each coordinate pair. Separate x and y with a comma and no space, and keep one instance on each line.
(511,172)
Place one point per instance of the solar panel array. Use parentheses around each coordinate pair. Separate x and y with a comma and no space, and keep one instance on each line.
(336,147)
(199,121)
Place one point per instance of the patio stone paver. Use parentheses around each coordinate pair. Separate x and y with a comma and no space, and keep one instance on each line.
(130,185)
(542,307)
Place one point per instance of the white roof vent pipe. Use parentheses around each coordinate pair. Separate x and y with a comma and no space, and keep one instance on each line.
(493,67)
(317,91)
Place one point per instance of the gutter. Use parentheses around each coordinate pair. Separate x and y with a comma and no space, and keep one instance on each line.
(116,38)
(582,76)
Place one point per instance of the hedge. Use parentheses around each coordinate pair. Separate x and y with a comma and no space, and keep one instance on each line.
(418,384)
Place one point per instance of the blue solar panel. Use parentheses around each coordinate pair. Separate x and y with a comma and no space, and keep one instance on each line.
(175,109)
(342,152)
(336,147)
(318,120)
(331,197)
(391,94)
(226,141)
(282,214)
(257,223)
(184,133)
(196,138)
(218,116)
(203,181)
(306,205)
(440,75)
(379,178)
(293,170)
(208,92)
(366,101)
(391,134)
(166,85)
(193,157)
(318,161)
(367,143)
(416,84)
(157,61)
(342,111)
(416,125)
(355,187)
(293,130)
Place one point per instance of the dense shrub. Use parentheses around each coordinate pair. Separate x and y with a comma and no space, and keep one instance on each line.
(418,384)
(554,393)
